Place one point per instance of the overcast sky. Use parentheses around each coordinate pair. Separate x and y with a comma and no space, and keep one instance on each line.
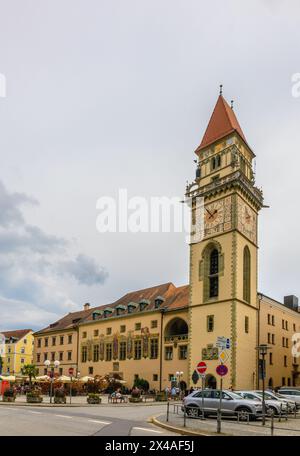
(103,95)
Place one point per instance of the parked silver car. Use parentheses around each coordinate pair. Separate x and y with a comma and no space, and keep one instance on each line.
(232,404)
(272,405)
(286,404)
(292,394)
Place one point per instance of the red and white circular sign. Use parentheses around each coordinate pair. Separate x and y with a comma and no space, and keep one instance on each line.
(201,367)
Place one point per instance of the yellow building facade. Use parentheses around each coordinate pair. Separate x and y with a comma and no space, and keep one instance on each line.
(162,333)
(18,351)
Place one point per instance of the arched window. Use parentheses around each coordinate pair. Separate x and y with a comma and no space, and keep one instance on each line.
(213,274)
(246,274)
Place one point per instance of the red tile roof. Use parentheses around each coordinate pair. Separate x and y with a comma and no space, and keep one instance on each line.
(174,298)
(222,122)
(16,334)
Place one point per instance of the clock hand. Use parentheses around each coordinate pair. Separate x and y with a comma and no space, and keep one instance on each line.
(210,214)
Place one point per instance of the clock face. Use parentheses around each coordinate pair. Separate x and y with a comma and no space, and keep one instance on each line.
(217,216)
(247,219)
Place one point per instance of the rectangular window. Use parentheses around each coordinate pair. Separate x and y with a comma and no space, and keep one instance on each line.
(61,340)
(155,377)
(273,320)
(60,371)
(84,354)
(53,341)
(116,367)
(108,352)
(46,342)
(96,353)
(91,370)
(96,332)
(38,357)
(286,325)
(269,319)
(246,324)
(22,350)
(168,353)
(137,326)
(122,328)
(84,334)
(285,361)
(69,338)
(154,348)
(61,356)
(273,339)
(283,341)
(154,324)
(22,360)
(183,350)
(108,331)
(271,358)
(137,349)
(122,355)
(45,356)
(287,343)
(53,356)
(294,327)
(69,355)
(269,338)
(283,381)
(282,324)
(210,323)
(39,343)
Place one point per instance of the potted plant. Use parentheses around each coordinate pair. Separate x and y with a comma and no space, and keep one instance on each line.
(135,395)
(34,396)
(9,395)
(60,396)
(93,398)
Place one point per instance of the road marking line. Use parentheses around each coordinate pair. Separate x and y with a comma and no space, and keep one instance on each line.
(64,416)
(99,422)
(36,413)
(148,430)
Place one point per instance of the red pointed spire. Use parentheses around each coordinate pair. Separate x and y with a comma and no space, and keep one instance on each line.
(222,122)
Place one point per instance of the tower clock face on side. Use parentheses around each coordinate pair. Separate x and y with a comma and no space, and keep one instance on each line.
(217,216)
(247,220)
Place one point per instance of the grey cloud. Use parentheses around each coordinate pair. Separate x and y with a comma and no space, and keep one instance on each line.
(10,204)
(85,270)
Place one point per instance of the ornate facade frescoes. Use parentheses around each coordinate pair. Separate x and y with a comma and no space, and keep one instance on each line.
(101,348)
(115,347)
(129,345)
(145,342)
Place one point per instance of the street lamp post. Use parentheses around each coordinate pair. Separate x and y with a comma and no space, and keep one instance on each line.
(56,364)
(263,350)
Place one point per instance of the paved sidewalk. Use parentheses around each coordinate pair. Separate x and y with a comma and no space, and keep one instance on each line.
(208,427)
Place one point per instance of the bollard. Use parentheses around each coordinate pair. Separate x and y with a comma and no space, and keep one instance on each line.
(280,411)
(219,421)
(168,409)
(184,416)
(295,411)
(272,424)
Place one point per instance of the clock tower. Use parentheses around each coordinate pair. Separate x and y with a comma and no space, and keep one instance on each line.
(223,261)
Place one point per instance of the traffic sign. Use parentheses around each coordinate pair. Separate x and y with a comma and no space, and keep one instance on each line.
(223,356)
(222,370)
(71,371)
(201,367)
(223,342)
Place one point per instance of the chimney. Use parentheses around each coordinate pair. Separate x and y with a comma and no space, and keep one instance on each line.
(86,306)
(292,302)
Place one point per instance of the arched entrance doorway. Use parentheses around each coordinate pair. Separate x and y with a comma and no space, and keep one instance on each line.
(210,382)
(178,328)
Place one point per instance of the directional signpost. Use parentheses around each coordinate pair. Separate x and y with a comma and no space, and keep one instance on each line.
(201,368)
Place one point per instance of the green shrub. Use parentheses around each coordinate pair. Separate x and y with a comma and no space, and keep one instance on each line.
(10,392)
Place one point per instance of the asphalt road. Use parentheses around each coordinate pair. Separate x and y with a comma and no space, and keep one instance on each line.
(80,421)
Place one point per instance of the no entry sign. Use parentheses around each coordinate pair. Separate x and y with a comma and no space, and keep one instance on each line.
(222,370)
(201,367)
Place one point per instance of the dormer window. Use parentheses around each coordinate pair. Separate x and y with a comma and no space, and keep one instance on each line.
(158,302)
(143,304)
(107,312)
(131,307)
(97,314)
(120,309)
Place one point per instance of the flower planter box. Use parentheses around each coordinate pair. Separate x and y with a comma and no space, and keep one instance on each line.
(60,400)
(135,399)
(8,399)
(94,400)
(34,399)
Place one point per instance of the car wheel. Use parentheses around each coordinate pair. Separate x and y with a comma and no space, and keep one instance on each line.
(244,413)
(193,411)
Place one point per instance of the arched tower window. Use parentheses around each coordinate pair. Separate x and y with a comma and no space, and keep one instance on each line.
(246,274)
(214,274)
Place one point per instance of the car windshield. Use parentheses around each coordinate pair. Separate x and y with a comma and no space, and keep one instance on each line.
(267,395)
(234,395)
